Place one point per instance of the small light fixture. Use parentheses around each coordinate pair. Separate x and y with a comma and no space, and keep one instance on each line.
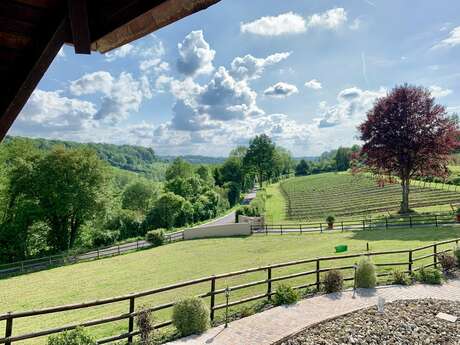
(381,305)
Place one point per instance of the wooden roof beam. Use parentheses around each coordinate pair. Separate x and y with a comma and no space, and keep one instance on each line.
(78,15)
(159,16)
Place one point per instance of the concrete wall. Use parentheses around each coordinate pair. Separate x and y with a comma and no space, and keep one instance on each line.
(226,230)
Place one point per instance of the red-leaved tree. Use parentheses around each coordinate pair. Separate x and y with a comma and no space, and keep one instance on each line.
(407,135)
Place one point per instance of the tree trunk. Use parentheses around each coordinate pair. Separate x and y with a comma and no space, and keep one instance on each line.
(405,196)
(261,181)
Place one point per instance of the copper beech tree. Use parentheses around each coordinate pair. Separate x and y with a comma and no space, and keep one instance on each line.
(408,135)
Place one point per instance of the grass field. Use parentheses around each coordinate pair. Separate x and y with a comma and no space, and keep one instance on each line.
(343,195)
(184,261)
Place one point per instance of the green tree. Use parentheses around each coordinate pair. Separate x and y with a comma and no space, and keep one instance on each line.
(165,211)
(138,196)
(179,168)
(205,174)
(303,168)
(342,159)
(260,157)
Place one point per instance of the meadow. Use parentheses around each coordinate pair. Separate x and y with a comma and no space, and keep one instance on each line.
(185,261)
(314,197)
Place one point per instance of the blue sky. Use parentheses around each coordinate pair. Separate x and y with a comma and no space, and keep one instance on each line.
(305,72)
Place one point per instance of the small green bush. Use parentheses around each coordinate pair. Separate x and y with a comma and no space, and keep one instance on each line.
(285,294)
(333,281)
(429,276)
(144,323)
(155,237)
(457,254)
(330,219)
(77,336)
(190,316)
(448,262)
(365,274)
(398,277)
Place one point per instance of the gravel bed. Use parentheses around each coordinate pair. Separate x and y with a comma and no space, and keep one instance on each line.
(403,323)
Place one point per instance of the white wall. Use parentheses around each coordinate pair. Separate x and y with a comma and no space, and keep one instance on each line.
(226,230)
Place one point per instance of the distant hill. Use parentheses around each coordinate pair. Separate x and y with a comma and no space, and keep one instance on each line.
(195,159)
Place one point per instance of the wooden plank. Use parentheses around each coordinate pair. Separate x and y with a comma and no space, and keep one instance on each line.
(78,15)
(28,73)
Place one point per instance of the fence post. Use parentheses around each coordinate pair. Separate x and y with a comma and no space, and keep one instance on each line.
(98,253)
(436,219)
(213,297)
(435,256)
(317,275)
(269,283)
(342,225)
(300,225)
(266,229)
(386,223)
(410,261)
(8,329)
(131,320)
(410,221)
(137,243)
(118,249)
(321,227)
(364,225)
(281,228)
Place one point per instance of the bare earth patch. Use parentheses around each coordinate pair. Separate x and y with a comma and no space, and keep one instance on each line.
(403,323)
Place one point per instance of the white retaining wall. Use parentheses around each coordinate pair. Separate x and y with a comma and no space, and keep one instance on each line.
(226,230)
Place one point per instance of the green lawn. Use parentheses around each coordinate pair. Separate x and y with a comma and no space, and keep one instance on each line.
(184,261)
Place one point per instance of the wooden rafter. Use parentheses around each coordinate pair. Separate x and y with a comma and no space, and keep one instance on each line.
(78,15)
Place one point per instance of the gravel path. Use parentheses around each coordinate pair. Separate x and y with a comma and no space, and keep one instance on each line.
(402,323)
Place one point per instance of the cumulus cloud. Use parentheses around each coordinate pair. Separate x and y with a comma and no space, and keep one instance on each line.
(120,96)
(155,64)
(286,23)
(250,67)
(313,84)
(293,23)
(281,90)
(351,108)
(451,41)
(121,52)
(49,112)
(439,92)
(195,55)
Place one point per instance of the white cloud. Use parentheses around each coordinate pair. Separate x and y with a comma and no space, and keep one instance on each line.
(120,96)
(438,92)
(155,64)
(356,24)
(61,52)
(313,84)
(121,52)
(351,108)
(286,23)
(195,55)
(48,112)
(331,19)
(250,67)
(451,41)
(281,90)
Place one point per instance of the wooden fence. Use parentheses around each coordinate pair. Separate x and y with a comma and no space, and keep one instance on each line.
(42,263)
(407,258)
(362,224)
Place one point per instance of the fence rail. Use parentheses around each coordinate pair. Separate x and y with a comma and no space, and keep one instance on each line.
(363,224)
(42,263)
(407,258)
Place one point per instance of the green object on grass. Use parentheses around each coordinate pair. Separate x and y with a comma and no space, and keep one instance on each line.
(341,248)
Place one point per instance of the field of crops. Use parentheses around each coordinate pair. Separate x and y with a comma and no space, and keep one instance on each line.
(343,195)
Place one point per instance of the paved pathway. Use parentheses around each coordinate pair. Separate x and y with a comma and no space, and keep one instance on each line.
(276,324)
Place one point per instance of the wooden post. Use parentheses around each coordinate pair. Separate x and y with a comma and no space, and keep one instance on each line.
(436,219)
(213,297)
(410,221)
(435,256)
(281,228)
(321,227)
(269,283)
(367,246)
(386,223)
(317,275)
(410,261)
(131,319)
(8,329)
(364,225)
(266,229)
(342,225)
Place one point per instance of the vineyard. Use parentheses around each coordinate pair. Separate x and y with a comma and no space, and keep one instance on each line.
(344,195)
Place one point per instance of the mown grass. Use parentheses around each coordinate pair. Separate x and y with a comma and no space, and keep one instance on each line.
(184,261)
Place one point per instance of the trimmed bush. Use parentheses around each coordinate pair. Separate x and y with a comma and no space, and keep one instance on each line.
(429,276)
(77,336)
(285,294)
(190,316)
(333,281)
(155,237)
(144,323)
(398,277)
(330,219)
(448,262)
(365,274)
(457,254)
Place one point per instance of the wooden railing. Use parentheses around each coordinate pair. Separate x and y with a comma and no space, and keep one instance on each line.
(407,258)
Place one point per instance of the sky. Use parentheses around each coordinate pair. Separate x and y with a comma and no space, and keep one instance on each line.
(304,72)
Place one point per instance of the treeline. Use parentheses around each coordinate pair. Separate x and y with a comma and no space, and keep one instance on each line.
(334,160)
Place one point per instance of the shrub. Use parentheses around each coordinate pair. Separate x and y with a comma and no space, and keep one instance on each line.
(285,294)
(448,262)
(155,237)
(333,281)
(190,316)
(429,276)
(145,324)
(365,274)
(330,219)
(457,254)
(102,238)
(399,277)
(77,336)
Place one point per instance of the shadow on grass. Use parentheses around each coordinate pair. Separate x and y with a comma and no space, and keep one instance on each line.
(408,234)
